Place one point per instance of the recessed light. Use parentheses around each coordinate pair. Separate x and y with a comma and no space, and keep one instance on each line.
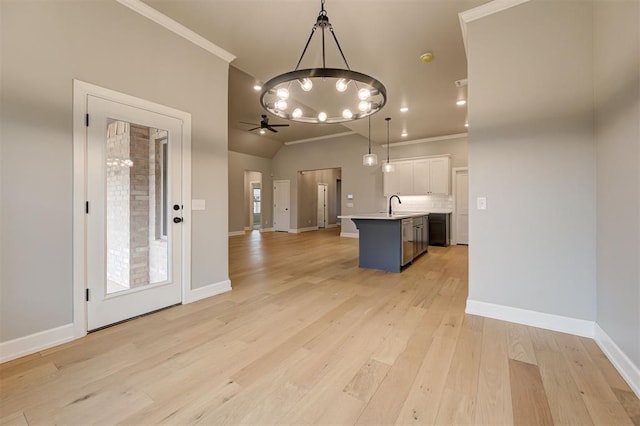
(461,102)
(404,134)
(257,87)
(466,124)
(404,109)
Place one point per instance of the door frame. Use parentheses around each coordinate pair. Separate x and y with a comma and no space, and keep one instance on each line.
(81,90)
(454,218)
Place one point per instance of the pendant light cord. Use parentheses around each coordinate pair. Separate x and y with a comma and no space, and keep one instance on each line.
(388,120)
(369,135)
(322,21)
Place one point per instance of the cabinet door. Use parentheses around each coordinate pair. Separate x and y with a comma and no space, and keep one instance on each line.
(391,182)
(400,181)
(439,176)
(421,176)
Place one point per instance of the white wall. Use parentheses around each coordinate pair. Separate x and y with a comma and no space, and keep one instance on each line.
(532,154)
(45,45)
(617,133)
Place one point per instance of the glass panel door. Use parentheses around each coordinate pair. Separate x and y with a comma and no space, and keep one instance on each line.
(137,211)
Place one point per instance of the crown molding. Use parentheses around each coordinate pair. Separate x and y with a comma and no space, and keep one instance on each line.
(486,9)
(163,20)
(425,140)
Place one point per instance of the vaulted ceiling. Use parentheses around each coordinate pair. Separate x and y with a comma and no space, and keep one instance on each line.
(382,38)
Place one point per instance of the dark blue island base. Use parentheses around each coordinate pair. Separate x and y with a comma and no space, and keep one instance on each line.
(380,244)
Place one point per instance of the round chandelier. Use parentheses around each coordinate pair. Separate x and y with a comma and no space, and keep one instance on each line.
(323,95)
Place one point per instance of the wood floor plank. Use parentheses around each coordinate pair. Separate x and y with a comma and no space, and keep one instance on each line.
(367,379)
(14,419)
(630,403)
(458,402)
(530,405)
(308,337)
(494,387)
(586,374)
(386,403)
(423,400)
(565,401)
(610,374)
(520,345)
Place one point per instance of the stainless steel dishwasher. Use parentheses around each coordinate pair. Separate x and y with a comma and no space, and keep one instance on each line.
(407,241)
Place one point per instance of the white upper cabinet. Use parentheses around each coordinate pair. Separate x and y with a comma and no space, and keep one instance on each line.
(400,181)
(423,176)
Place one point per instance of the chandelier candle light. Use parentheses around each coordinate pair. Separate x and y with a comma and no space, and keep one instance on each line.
(387,167)
(369,159)
(323,95)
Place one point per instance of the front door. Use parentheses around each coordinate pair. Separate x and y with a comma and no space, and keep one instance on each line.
(134,220)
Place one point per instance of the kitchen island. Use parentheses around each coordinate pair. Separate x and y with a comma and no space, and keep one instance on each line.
(390,241)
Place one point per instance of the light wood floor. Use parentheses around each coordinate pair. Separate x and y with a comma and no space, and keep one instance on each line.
(306,337)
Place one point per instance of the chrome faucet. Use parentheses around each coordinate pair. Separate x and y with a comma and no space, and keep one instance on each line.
(391,198)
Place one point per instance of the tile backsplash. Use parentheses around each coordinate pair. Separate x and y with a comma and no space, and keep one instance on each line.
(413,203)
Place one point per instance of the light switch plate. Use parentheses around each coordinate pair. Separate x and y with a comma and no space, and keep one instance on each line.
(482,203)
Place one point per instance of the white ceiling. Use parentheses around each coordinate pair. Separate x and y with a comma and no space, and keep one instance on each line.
(382,38)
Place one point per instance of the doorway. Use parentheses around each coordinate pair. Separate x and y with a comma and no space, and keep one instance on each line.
(256,200)
(338,201)
(461,204)
(323,207)
(129,232)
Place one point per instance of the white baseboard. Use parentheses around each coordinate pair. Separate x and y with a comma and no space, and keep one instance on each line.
(300,230)
(247,228)
(553,322)
(627,369)
(236,233)
(332,225)
(33,343)
(267,230)
(350,234)
(207,291)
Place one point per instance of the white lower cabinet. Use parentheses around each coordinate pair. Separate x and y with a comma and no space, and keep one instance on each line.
(424,176)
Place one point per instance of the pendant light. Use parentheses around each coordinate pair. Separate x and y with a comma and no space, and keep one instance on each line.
(369,159)
(387,167)
(323,95)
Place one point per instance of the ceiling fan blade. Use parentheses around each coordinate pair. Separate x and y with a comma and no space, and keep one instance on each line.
(251,124)
(279,125)
(251,130)
(272,129)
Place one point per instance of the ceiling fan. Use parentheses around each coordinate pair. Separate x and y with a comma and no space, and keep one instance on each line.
(264,124)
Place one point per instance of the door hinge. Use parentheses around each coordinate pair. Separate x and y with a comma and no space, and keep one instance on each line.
(86,120)
(87,295)
(86,207)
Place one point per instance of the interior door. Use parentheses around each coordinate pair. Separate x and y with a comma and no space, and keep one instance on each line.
(134,220)
(322,205)
(281,200)
(462,207)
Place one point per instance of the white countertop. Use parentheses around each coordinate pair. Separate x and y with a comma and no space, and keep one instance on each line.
(384,216)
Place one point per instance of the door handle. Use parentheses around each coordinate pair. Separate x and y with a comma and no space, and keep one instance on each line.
(177,219)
